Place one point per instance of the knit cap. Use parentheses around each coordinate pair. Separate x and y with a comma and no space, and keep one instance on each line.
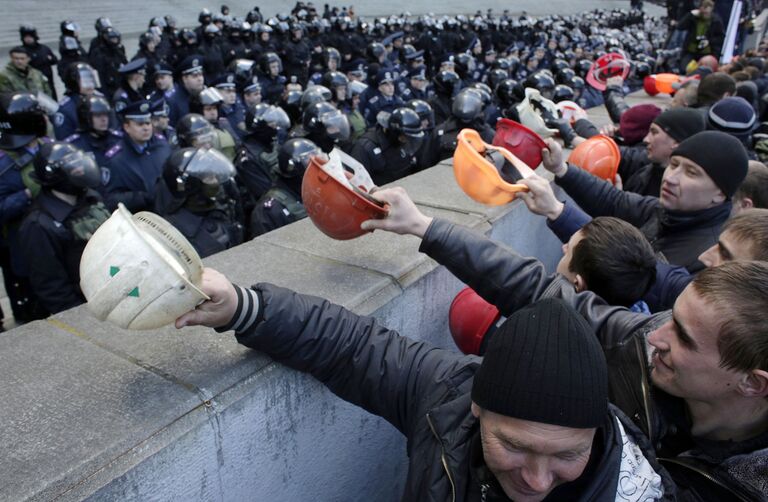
(733,115)
(720,155)
(680,123)
(544,364)
(634,123)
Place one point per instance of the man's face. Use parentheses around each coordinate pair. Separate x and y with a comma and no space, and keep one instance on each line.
(100,122)
(163,82)
(686,187)
(727,248)
(139,132)
(387,89)
(685,360)
(274,68)
(229,95)
(211,113)
(659,144)
(564,266)
(20,61)
(193,82)
(252,98)
(530,459)
(160,123)
(706,12)
(28,40)
(138,79)
(419,84)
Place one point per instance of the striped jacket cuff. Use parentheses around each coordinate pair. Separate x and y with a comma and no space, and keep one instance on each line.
(248,311)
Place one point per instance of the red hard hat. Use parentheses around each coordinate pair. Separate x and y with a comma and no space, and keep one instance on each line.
(525,144)
(599,155)
(469,320)
(649,84)
(606,66)
(335,208)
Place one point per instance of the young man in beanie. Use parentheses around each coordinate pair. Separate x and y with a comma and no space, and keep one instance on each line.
(735,116)
(695,200)
(667,130)
(529,421)
(694,379)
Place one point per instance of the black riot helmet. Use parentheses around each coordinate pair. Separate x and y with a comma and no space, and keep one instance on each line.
(194,131)
(90,106)
(315,94)
(81,78)
(641,69)
(268,120)
(243,71)
(564,76)
(28,30)
(111,36)
(464,64)
(337,82)
(541,81)
(374,51)
(209,96)
(445,82)
(69,28)
(562,93)
(331,53)
(22,119)
(495,76)
(294,156)
(198,176)
(559,64)
(404,127)
(467,105)
(325,125)
(484,90)
(101,24)
(582,67)
(267,59)
(509,92)
(424,111)
(205,17)
(63,167)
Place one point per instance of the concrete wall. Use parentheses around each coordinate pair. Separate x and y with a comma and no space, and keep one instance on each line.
(94,412)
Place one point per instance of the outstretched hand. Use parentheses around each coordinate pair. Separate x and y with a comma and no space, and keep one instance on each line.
(219,310)
(552,157)
(403,217)
(540,199)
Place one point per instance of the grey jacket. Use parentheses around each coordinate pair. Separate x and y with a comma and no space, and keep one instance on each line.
(704,470)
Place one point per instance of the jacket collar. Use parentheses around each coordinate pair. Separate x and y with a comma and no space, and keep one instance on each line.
(684,220)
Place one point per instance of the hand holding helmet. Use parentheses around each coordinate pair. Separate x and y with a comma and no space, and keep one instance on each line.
(540,199)
(403,218)
(552,158)
(217,311)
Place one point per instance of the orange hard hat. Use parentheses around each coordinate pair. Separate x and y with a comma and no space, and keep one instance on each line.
(335,207)
(649,84)
(666,81)
(469,319)
(525,144)
(481,169)
(599,155)
(606,66)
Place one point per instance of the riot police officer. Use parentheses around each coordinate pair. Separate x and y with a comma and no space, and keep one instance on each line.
(135,163)
(231,109)
(41,56)
(197,196)
(161,122)
(445,84)
(80,80)
(296,54)
(282,203)
(94,134)
(466,113)
(107,58)
(57,227)
(325,126)
(257,157)
(271,80)
(389,150)
(416,88)
(207,104)
(70,49)
(22,132)
(194,131)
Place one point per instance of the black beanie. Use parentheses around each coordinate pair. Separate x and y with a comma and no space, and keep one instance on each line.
(681,123)
(544,364)
(721,155)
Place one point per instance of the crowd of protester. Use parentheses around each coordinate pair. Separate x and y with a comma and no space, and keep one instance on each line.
(212,127)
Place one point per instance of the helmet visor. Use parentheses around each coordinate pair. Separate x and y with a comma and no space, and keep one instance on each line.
(89,79)
(211,167)
(81,169)
(336,125)
(276,118)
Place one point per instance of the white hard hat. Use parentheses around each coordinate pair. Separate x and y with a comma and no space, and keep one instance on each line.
(139,272)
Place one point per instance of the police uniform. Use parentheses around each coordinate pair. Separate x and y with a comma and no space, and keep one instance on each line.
(384,160)
(444,140)
(256,165)
(43,59)
(178,98)
(98,145)
(280,206)
(272,88)
(132,171)
(380,103)
(125,94)
(209,233)
(65,120)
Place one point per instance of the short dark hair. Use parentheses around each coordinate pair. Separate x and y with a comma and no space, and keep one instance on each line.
(19,49)
(616,261)
(751,227)
(738,292)
(755,185)
(713,88)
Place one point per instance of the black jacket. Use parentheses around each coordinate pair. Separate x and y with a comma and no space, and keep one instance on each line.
(679,237)
(421,390)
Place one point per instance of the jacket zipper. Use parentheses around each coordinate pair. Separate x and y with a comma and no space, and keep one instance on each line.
(644,387)
(442,458)
(702,473)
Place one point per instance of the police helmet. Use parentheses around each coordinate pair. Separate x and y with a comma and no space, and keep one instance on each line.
(315,94)
(641,69)
(205,16)
(445,82)
(331,53)
(64,167)
(22,119)
(467,105)
(197,175)
(541,81)
(294,156)
(90,106)
(509,91)
(193,130)
(564,76)
(423,110)
(484,90)
(28,30)
(375,50)
(562,92)
(497,75)
(583,66)
(69,28)
(101,24)
(209,96)
(267,59)
(464,64)
(270,116)
(559,64)
(325,125)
